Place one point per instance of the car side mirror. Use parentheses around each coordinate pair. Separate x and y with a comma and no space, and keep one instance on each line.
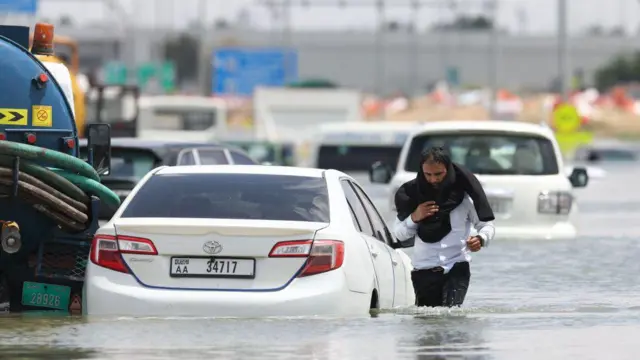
(380,173)
(579,177)
(99,147)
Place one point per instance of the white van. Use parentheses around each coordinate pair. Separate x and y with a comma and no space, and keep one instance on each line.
(519,164)
(353,147)
(184,117)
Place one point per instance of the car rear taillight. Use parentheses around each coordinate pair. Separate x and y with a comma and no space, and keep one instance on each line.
(323,255)
(106,250)
(298,248)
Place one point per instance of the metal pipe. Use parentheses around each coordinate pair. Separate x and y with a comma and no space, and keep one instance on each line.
(414,60)
(493,58)
(379,55)
(563,50)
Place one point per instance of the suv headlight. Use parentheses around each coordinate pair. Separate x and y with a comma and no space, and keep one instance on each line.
(555,202)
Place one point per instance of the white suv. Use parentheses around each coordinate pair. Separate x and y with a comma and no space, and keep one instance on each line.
(519,165)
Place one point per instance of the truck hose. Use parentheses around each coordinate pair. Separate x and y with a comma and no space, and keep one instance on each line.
(58,159)
(60,192)
(92,187)
(8,174)
(48,176)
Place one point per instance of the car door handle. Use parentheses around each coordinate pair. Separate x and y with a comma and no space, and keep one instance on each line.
(395,263)
(373,251)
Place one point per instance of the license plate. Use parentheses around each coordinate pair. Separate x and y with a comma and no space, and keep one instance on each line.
(213,267)
(46,295)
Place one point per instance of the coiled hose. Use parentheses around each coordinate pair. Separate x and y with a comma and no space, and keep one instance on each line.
(61,191)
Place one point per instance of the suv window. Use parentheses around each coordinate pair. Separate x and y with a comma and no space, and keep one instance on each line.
(232,196)
(240,159)
(357,208)
(356,158)
(495,153)
(186,158)
(212,157)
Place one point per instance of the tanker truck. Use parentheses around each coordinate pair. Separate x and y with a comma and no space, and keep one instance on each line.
(49,197)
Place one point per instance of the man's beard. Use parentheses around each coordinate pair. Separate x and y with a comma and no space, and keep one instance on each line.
(437,185)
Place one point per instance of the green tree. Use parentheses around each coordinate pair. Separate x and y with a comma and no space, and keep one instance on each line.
(620,70)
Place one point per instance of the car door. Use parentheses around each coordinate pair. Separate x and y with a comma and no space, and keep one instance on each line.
(383,235)
(380,257)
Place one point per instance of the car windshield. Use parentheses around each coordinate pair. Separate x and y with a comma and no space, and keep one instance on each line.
(490,153)
(356,158)
(128,162)
(232,196)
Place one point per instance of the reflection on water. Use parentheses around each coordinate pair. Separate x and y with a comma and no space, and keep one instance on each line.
(527,300)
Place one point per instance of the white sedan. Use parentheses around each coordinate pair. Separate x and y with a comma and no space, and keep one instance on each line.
(245,241)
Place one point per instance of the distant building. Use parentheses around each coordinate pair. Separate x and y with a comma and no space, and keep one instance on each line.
(398,62)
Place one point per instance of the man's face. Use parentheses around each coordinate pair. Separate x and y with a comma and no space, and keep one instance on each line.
(434,172)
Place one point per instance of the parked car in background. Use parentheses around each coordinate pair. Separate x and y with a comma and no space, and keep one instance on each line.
(246,241)
(267,152)
(133,158)
(519,165)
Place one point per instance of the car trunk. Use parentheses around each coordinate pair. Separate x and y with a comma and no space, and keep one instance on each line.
(214,253)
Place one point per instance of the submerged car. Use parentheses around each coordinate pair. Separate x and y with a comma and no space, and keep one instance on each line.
(246,241)
(519,165)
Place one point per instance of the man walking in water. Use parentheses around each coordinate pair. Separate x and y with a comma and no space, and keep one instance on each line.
(438,208)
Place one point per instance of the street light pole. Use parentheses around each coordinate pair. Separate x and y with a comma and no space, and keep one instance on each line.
(493,58)
(563,50)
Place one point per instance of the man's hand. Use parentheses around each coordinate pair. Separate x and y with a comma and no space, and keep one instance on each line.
(424,210)
(474,243)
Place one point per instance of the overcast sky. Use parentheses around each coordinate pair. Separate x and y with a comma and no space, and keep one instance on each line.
(540,14)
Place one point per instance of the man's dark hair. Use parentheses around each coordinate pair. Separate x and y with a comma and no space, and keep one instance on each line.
(436,155)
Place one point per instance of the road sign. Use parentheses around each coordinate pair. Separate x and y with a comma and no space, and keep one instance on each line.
(19,6)
(238,71)
(566,118)
(115,73)
(162,74)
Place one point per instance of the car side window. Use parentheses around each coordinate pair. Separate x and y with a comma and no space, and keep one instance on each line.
(358,209)
(186,158)
(353,218)
(240,159)
(379,226)
(212,157)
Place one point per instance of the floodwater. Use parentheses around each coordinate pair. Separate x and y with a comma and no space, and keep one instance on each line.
(528,300)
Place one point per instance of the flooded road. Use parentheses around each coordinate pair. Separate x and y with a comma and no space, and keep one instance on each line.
(528,300)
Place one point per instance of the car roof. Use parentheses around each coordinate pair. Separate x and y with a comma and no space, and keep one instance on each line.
(484,125)
(153,144)
(242,169)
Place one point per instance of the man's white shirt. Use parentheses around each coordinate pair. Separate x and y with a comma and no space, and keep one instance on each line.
(453,247)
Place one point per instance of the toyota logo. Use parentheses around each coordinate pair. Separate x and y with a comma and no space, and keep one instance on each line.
(212,247)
